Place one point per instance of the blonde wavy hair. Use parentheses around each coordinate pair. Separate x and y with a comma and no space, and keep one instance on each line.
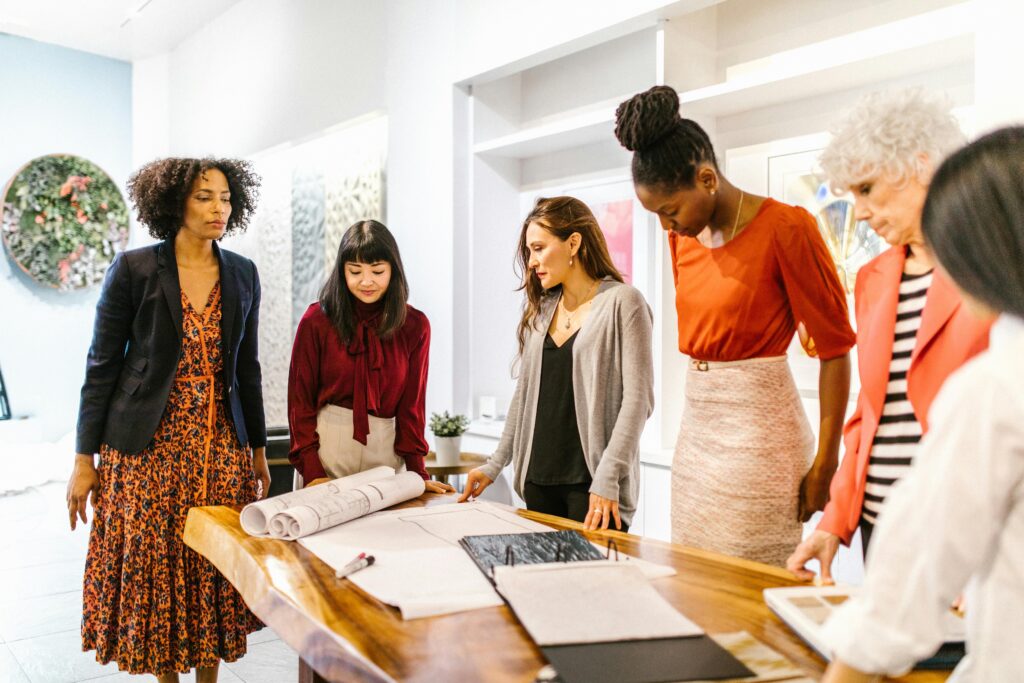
(887,133)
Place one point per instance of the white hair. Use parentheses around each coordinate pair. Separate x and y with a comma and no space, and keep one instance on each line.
(901,133)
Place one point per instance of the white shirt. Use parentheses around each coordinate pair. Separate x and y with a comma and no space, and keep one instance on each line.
(957,516)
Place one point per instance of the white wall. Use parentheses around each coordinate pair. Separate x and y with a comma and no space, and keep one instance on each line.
(270,71)
(45,334)
(1000,53)
(420,171)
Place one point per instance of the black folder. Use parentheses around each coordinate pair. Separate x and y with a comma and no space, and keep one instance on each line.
(633,661)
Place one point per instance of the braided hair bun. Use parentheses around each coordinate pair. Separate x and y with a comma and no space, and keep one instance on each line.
(646,118)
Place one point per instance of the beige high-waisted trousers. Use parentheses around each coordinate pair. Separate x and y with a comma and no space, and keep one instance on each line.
(744,446)
(341,455)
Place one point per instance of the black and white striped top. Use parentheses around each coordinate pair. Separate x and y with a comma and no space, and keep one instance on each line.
(898,429)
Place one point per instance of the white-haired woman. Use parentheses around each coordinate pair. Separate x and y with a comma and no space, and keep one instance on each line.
(912,329)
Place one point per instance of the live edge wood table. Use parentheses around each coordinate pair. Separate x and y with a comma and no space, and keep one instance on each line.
(343,634)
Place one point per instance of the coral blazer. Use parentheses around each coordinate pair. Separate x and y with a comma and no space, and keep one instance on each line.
(948,336)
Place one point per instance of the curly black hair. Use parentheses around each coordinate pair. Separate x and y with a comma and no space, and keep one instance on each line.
(159,189)
(667,149)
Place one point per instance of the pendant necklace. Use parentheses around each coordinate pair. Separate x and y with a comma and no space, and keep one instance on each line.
(736,222)
(568,315)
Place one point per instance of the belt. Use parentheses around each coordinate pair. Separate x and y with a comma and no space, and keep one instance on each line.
(707,365)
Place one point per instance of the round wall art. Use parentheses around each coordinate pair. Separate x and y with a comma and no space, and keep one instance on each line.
(64,219)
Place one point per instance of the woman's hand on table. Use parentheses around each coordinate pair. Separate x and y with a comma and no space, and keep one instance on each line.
(601,513)
(437,486)
(476,482)
(261,470)
(84,481)
(821,546)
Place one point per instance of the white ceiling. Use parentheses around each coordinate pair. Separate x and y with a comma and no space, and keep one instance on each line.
(123,29)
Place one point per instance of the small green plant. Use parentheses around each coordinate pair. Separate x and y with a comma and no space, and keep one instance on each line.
(443,424)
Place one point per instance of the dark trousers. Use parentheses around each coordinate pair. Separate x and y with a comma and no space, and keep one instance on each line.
(865,536)
(571,501)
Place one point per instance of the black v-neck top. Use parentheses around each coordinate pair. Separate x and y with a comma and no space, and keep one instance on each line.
(557,454)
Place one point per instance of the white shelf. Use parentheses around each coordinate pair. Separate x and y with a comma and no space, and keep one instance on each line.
(593,124)
(922,43)
(929,41)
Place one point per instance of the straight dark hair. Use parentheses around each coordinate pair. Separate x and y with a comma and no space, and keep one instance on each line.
(366,242)
(973,219)
(561,216)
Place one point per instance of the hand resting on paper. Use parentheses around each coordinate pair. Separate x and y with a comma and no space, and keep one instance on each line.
(317,482)
(821,546)
(476,482)
(601,513)
(437,487)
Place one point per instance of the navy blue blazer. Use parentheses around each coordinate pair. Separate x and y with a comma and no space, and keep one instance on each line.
(136,345)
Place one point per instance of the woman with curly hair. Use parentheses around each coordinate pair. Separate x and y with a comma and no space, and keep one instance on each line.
(747,269)
(172,402)
(913,330)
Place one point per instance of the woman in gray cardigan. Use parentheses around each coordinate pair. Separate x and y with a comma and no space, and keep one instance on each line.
(586,375)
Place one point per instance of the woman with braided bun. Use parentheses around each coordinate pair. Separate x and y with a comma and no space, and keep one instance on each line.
(747,270)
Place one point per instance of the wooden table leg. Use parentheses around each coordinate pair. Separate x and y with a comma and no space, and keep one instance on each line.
(308,675)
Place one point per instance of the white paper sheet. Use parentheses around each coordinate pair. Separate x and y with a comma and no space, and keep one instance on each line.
(255,517)
(419,566)
(346,505)
(589,602)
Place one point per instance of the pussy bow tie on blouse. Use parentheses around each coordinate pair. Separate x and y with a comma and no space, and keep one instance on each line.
(366,349)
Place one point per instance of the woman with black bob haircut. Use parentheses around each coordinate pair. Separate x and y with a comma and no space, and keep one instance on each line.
(358,375)
(173,404)
(957,518)
(747,270)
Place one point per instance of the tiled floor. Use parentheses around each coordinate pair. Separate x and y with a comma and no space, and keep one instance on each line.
(41,564)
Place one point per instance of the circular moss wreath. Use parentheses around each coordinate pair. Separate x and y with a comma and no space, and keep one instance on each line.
(64,219)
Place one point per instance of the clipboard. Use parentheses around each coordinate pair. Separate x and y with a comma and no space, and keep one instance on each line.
(688,658)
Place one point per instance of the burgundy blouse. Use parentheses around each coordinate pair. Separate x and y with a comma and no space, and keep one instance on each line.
(381,377)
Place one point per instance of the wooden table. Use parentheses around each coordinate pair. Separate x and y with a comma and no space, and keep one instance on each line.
(346,635)
(467,463)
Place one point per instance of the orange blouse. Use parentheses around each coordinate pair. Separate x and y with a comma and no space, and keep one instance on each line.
(743,299)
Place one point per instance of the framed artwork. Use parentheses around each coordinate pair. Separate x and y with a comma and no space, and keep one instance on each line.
(63,221)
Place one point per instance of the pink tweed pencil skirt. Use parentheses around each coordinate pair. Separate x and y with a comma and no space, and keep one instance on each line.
(744,446)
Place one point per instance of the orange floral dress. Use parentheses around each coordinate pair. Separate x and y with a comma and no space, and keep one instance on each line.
(150,603)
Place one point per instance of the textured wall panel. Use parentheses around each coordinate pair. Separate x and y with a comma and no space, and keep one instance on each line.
(273,225)
(351,197)
(307,239)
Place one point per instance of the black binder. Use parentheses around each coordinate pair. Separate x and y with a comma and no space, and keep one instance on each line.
(633,661)
(539,547)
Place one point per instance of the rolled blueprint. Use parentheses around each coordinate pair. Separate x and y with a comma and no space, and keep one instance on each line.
(256,516)
(315,515)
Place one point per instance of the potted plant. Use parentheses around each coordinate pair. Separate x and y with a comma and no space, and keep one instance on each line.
(448,430)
